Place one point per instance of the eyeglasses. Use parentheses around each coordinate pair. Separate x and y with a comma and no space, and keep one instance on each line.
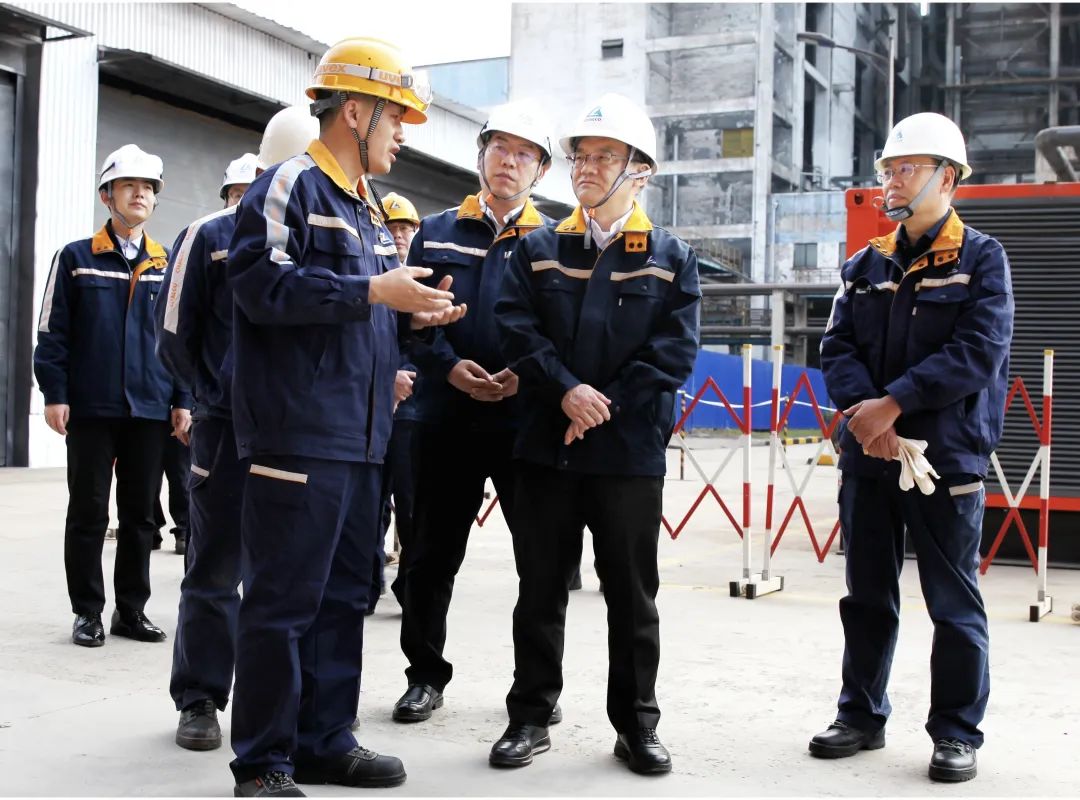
(904,172)
(603,159)
(523,158)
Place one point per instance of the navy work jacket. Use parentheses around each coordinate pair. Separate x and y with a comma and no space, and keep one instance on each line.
(193,318)
(461,242)
(624,320)
(95,349)
(935,337)
(314,362)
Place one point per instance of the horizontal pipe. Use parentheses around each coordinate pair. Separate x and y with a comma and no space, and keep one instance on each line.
(745,289)
(1049,142)
(758,330)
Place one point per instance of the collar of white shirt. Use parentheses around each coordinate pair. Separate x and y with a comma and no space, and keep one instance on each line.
(499,226)
(129,247)
(602,237)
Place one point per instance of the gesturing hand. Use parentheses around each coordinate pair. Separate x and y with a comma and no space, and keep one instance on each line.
(401,289)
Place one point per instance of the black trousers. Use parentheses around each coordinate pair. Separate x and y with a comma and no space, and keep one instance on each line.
(176,468)
(399,481)
(623,513)
(93,445)
(454,466)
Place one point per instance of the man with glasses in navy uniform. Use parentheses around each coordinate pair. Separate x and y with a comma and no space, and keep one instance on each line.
(466,401)
(918,347)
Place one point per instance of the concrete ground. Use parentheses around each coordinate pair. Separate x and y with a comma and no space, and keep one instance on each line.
(743,684)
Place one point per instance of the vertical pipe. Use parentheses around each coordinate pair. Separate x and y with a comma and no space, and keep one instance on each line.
(1044,471)
(894,31)
(1055,64)
(747,429)
(682,434)
(774,445)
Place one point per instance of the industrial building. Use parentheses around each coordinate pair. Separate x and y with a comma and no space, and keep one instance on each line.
(767,111)
(78,80)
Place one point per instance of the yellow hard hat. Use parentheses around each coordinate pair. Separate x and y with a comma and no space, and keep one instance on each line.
(377,68)
(398,209)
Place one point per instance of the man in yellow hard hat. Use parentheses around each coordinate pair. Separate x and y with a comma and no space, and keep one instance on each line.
(194,341)
(917,348)
(399,473)
(316,282)
(109,395)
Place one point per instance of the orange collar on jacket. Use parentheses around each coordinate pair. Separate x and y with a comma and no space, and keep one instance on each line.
(527,220)
(945,247)
(326,161)
(155,255)
(635,231)
(103,243)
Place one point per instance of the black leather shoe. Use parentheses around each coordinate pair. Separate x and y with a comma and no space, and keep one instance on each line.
(135,625)
(953,761)
(643,752)
(157,541)
(841,740)
(269,784)
(358,767)
(198,728)
(575,582)
(88,630)
(417,704)
(518,745)
(181,545)
(556,715)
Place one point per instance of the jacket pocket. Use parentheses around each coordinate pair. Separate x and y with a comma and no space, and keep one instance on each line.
(336,248)
(934,316)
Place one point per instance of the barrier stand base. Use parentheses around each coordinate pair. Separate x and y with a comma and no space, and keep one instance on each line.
(738,588)
(1042,608)
(757,588)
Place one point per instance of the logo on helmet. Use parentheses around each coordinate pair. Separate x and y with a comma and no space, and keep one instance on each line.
(596,115)
(899,134)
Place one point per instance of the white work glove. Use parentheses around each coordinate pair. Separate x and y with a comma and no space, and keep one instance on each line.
(914,468)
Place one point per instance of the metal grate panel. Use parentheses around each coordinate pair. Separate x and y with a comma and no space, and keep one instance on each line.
(1042,240)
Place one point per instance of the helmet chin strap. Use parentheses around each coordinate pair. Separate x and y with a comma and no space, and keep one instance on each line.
(116,212)
(590,211)
(376,115)
(901,213)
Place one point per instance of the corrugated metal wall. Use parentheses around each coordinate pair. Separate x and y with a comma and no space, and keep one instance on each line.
(1041,239)
(67,127)
(195,38)
(195,150)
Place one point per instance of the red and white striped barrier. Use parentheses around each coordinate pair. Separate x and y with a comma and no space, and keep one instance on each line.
(1044,604)
(482,517)
(709,479)
(781,410)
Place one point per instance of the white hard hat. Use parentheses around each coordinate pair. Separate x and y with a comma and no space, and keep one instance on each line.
(287,134)
(615,117)
(926,134)
(240,170)
(130,161)
(522,118)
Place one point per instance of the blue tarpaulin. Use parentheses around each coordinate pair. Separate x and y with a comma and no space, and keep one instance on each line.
(726,371)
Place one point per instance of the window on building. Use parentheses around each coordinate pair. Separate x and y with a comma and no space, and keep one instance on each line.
(611,48)
(843,253)
(805,256)
(737,143)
